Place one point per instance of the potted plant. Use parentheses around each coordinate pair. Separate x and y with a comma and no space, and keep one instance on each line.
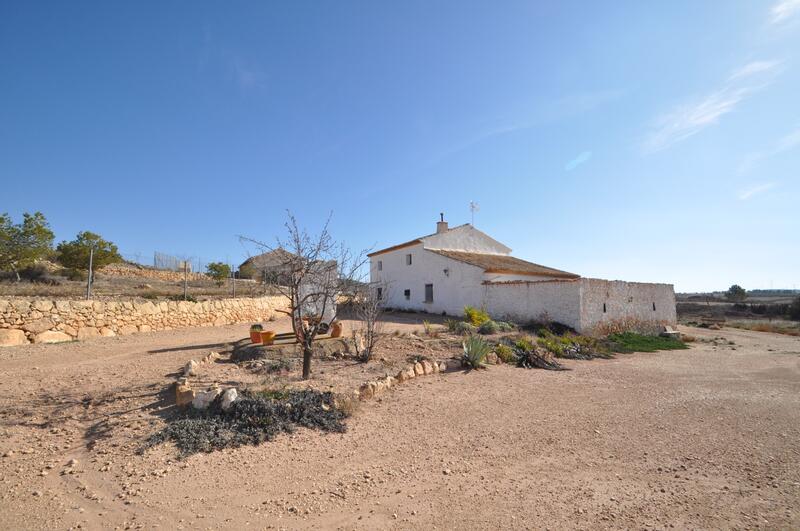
(255,333)
(267,337)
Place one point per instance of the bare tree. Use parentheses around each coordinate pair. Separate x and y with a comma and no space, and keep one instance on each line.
(369,307)
(317,272)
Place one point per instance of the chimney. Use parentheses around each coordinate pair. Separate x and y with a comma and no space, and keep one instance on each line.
(441,225)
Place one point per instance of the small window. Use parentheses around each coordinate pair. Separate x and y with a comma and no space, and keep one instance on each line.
(379,293)
(654,306)
(380,265)
(604,307)
(407,294)
(408,259)
(428,292)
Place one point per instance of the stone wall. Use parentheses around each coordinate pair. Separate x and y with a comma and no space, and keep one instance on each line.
(124,270)
(522,302)
(615,305)
(48,321)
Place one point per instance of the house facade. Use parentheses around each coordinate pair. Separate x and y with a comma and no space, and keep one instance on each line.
(462,266)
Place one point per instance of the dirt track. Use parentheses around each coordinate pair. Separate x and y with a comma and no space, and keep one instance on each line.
(703,438)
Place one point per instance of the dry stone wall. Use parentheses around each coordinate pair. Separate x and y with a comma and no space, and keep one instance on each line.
(49,321)
(137,271)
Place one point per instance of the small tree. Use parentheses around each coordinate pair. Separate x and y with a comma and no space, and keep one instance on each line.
(369,305)
(22,244)
(736,293)
(75,254)
(218,271)
(794,309)
(318,271)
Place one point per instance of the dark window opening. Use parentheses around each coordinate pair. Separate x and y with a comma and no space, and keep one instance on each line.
(380,265)
(604,307)
(407,294)
(654,306)
(408,259)
(379,293)
(428,292)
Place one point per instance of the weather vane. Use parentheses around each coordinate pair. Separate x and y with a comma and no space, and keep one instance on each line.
(473,207)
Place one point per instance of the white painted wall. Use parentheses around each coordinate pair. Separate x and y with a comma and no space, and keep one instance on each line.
(525,301)
(465,238)
(460,286)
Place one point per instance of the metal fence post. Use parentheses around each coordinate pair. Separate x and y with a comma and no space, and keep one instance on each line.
(89,278)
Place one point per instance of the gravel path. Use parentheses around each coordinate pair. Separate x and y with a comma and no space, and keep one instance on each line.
(703,438)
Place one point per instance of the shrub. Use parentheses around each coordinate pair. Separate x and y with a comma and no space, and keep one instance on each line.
(219,271)
(75,254)
(474,316)
(256,327)
(505,353)
(253,419)
(189,298)
(504,326)
(73,274)
(529,357)
(539,326)
(430,331)
(794,310)
(475,351)
(488,328)
(459,327)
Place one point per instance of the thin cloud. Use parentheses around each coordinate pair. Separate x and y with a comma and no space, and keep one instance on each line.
(577,161)
(688,120)
(788,142)
(744,195)
(756,67)
(784,10)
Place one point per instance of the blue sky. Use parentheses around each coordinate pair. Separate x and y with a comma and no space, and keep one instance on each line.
(626,140)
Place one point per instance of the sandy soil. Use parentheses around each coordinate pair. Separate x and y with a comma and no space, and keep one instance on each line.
(703,438)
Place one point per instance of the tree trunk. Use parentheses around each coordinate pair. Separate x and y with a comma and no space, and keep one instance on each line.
(307,361)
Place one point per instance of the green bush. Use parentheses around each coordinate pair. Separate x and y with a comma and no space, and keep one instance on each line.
(475,351)
(73,274)
(505,353)
(75,254)
(474,316)
(488,328)
(459,327)
(504,326)
(189,298)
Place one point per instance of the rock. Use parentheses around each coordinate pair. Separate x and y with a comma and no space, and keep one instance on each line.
(190,369)
(228,398)
(107,332)
(427,368)
(51,337)
(435,366)
(203,399)
(390,382)
(183,395)
(366,391)
(211,357)
(442,366)
(378,388)
(492,358)
(144,328)
(72,462)
(12,338)
(38,326)
(418,369)
(401,376)
(43,306)
(87,332)
(126,330)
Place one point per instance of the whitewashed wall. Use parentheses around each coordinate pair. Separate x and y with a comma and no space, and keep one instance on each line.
(525,301)
(459,287)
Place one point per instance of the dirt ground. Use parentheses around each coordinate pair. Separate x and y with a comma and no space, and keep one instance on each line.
(702,438)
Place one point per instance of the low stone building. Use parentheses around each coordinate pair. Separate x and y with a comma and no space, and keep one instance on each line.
(452,268)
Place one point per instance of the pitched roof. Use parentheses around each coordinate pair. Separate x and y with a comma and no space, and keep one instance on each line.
(415,241)
(496,263)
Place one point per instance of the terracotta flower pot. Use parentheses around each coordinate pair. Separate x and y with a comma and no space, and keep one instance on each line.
(336,329)
(255,336)
(267,337)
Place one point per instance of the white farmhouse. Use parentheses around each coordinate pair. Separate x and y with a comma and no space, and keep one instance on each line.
(453,268)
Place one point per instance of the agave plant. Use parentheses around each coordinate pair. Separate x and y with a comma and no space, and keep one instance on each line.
(475,351)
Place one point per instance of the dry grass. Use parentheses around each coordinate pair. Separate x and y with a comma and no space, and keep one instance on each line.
(788,328)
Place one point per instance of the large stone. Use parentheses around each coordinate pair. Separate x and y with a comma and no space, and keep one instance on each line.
(401,376)
(87,332)
(419,370)
(366,391)
(38,326)
(107,332)
(229,397)
(190,369)
(51,337)
(203,399)
(43,306)
(427,367)
(12,338)
(126,330)
(183,395)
